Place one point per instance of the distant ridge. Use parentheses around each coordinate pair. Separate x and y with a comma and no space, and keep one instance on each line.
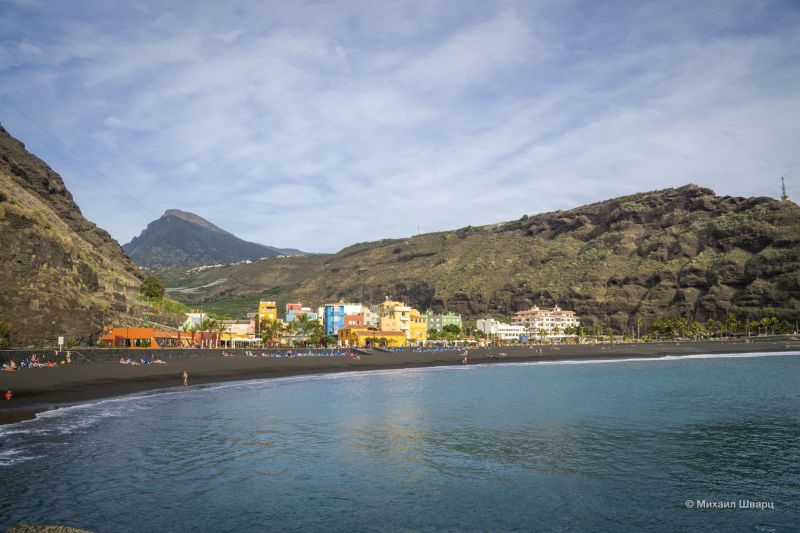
(180,238)
(618,263)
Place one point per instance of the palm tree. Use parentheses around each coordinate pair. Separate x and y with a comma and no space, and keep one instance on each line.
(730,323)
(220,328)
(303,324)
(185,329)
(314,332)
(542,334)
(207,325)
(291,329)
(271,330)
(194,329)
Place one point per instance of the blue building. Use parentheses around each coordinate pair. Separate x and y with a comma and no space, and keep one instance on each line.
(334,318)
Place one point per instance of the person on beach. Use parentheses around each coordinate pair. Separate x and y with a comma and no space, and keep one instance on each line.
(185,378)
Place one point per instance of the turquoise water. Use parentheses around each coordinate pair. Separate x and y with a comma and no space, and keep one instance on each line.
(590,446)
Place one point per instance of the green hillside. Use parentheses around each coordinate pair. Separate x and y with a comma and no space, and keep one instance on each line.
(682,251)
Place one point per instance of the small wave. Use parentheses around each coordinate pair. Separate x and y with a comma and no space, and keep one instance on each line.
(624,359)
(13,456)
(87,413)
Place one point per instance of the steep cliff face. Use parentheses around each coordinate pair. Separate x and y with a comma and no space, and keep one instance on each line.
(682,251)
(55,266)
(180,238)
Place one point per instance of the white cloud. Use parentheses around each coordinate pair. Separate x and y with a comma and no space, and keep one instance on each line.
(473,55)
(358,121)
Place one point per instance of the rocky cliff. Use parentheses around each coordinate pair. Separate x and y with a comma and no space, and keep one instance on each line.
(55,266)
(180,238)
(682,251)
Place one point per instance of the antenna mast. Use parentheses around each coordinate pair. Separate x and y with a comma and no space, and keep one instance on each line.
(784,196)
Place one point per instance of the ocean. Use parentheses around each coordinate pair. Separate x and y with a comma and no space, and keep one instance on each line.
(706,443)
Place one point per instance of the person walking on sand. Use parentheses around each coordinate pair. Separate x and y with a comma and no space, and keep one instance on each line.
(185,378)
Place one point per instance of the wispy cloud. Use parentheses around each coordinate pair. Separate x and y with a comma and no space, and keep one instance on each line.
(315,125)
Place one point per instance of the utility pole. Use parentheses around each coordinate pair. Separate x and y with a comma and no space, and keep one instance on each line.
(784,196)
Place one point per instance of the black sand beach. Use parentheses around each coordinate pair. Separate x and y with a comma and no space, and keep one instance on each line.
(41,389)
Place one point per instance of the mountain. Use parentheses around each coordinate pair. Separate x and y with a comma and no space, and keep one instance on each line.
(59,273)
(180,238)
(683,251)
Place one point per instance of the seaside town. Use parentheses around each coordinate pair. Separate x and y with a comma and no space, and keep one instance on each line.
(390,324)
(307,266)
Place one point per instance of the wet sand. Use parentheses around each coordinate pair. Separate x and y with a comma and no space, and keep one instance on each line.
(41,389)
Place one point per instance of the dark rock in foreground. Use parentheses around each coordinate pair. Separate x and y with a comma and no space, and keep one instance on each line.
(46,529)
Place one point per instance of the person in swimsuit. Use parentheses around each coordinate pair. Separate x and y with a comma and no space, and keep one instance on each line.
(185,378)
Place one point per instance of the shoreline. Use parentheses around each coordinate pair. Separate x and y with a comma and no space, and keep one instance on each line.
(43,389)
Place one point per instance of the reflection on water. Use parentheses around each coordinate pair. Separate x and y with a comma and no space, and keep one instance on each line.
(592,446)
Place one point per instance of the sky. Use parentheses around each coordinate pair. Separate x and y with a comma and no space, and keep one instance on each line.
(316,125)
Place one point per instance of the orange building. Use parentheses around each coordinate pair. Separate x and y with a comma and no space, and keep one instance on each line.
(155,338)
(354,321)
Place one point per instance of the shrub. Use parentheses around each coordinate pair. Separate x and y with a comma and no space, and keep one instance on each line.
(152,288)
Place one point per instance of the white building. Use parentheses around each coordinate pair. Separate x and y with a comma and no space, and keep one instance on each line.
(370,317)
(240,327)
(353,309)
(194,320)
(498,330)
(549,323)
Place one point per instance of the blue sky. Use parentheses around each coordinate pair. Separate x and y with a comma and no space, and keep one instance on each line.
(316,125)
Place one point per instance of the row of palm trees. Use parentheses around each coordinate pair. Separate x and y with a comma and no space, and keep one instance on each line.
(304,330)
(207,325)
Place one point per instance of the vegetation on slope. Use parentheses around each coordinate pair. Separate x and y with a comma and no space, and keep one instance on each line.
(681,252)
(59,273)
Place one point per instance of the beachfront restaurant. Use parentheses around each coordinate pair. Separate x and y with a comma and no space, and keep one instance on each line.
(142,338)
(158,338)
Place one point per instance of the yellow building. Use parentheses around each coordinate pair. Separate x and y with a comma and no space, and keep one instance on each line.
(397,316)
(267,312)
(394,316)
(358,337)
(418,330)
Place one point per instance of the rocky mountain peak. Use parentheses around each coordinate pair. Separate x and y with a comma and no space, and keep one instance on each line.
(181,238)
(193,218)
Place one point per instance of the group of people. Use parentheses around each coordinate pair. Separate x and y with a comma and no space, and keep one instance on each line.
(295,353)
(438,349)
(36,361)
(141,361)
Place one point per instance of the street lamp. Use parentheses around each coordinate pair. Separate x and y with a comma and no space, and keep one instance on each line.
(52,334)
